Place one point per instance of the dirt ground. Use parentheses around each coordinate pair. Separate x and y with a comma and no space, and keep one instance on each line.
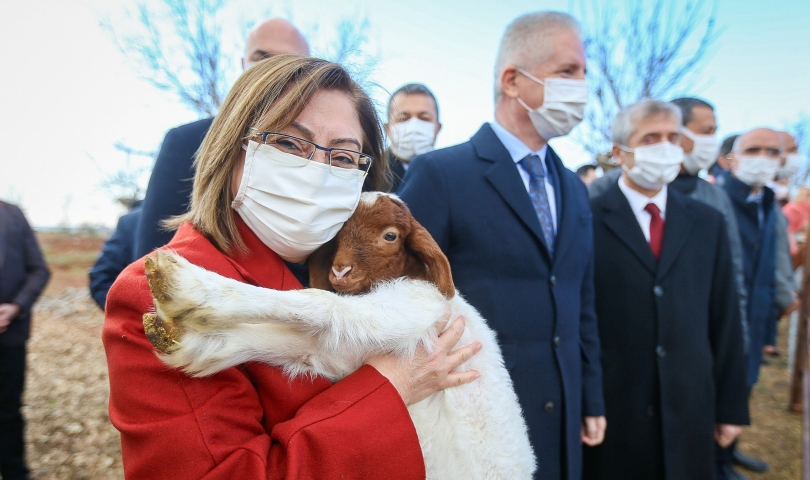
(69,435)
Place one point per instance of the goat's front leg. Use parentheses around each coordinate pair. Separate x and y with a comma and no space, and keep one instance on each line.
(395,316)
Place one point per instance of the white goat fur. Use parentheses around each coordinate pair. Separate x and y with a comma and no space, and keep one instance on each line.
(473,431)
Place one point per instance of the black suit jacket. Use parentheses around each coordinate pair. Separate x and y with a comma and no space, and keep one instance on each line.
(672,346)
(169,190)
(471,198)
(23,273)
(118,252)
(397,172)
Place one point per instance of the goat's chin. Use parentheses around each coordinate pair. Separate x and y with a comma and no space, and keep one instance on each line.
(350,287)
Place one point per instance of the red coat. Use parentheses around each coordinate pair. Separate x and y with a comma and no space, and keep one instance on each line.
(247,422)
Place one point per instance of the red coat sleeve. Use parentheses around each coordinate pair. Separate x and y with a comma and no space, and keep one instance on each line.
(247,422)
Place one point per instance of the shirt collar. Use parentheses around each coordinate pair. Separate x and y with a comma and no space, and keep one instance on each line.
(516,148)
(638,200)
(755,197)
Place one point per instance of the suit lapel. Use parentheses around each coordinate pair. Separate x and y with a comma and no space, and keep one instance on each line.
(505,178)
(677,224)
(5,219)
(620,219)
(567,220)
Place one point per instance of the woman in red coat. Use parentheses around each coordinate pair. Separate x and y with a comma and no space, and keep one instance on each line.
(279,172)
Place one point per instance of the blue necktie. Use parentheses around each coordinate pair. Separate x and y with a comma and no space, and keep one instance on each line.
(537,190)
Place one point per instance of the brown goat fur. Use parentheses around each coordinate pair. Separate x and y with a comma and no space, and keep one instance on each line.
(381,241)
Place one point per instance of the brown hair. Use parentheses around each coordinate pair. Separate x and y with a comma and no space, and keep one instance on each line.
(268,97)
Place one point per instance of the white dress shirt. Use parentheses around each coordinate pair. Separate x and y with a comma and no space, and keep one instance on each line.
(518,151)
(638,201)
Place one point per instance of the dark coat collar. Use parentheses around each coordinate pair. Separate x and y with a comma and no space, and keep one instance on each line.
(505,178)
(620,219)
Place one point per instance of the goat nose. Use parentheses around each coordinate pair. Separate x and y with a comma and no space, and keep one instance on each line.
(339,274)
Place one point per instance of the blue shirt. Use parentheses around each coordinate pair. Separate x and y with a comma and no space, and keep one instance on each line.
(518,151)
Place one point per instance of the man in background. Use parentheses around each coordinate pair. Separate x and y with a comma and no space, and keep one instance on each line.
(723,156)
(23,276)
(515,226)
(170,185)
(587,173)
(412,127)
(666,299)
(753,163)
(116,253)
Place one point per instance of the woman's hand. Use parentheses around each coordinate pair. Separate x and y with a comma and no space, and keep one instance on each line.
(429,373)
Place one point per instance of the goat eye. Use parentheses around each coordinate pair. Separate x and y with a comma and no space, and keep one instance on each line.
(390,236)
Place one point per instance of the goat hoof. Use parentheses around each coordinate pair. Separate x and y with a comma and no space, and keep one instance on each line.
(165,336)
(158,271)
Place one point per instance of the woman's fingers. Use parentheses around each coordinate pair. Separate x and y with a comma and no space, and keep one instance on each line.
(455,379)
(457,357)
(450,337)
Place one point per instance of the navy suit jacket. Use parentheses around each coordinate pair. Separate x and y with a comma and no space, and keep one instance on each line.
(169,190)
(118,252)
(23,273)
(471,198)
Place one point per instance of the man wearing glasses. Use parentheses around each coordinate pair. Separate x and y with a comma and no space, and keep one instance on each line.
(753,163)
(170,185)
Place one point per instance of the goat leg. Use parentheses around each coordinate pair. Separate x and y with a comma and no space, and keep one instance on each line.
(239,321)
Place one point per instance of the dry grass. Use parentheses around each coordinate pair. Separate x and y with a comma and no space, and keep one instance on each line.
(69,434)
(775,434)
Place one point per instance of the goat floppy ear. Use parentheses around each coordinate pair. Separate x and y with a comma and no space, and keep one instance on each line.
(320,264)
(421,245)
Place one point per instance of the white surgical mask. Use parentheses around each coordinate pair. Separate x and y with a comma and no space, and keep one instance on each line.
(412,137)
(655,165)
(703,154)
(756,171)
(780,191)
(292,204)
(793,163)
(563,106)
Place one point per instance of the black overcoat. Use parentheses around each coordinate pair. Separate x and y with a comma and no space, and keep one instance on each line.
(672,347)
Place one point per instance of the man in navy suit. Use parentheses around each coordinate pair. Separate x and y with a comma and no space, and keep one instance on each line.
(118,252)
(516,227)
(169,188)
(23,275)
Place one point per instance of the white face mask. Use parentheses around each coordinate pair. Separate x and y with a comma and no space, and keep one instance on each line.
(756,171)
(563,106)
(412,137)
(703,154)
(655,165)
(292,204)
(793,163)
(780,191)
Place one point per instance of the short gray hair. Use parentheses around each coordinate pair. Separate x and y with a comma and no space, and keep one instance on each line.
(525,42)
(624,125)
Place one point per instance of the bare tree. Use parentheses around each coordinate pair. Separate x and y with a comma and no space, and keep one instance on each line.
(185,58)
(351,49)
(639,49)
(126,185)
(177,46)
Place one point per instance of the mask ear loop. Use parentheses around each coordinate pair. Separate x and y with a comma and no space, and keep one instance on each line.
(532,77)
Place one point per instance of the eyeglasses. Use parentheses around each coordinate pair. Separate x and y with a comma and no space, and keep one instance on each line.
(338,157)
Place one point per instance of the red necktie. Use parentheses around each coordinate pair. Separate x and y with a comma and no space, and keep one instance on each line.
(656,229)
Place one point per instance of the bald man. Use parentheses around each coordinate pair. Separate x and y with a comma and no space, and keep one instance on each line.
(753,163)
(169,188)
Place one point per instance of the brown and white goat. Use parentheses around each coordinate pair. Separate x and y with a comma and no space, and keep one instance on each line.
(206,323)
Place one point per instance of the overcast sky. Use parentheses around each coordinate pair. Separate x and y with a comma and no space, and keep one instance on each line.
(69,95)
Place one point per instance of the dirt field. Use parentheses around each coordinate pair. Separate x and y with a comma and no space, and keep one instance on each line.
(69,434)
